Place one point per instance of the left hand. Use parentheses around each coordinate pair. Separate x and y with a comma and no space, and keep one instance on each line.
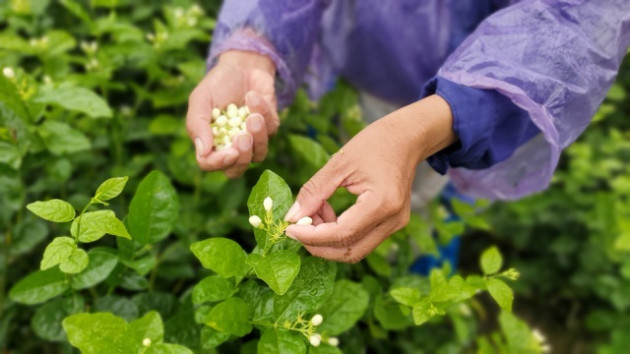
(378,165)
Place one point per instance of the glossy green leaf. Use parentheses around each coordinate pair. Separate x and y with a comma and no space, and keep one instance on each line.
(276,342)
(309,150)
(277,269)
(95,224)
(101,263)
(55,210)
(310,289)
(62,139)
(148,326)
(211,338)
(111,188)
(168,348)
(212,289)
(344,307)
(501,293)
(97,333)
(269,185)
(73,98)
(221,255)
(153,210)
(230,316)
(58,251)
(491,260)
(39,286)
(76,262)
(406,296)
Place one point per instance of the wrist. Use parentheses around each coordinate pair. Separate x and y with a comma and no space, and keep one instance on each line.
(427,126)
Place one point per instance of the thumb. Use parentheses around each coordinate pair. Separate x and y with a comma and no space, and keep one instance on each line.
(316,191)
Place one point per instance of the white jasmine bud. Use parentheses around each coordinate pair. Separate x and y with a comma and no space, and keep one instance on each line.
(243,126)
(255,221)
(222,120)
(146,342)
(232,110)
(235,122)
(305,221)
(242,112)
(191,22)
(234,132)
(315,340)
(215,131)
(334,341)
(227,141)
(179,12)
(268,204)
(317,319)
(150,37)
(8,73)
(216,113)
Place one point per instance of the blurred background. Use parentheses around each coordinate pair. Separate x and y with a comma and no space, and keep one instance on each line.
(135,64)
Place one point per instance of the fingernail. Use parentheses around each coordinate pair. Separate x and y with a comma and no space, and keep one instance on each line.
(256,123)
(200,147)
(292,211)
(253,99)
(244,142)
(229,159)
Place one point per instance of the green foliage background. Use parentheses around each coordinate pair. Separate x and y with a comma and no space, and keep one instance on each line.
(100,90)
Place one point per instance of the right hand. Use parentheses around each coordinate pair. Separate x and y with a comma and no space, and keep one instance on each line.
(240,78)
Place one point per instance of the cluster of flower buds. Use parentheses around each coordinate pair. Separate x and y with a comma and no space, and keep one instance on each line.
(316,339)
(227,124)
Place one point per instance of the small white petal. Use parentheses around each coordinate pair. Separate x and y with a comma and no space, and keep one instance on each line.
(315,340)
(146,342)
(232,110)
(268,204)
(334,341)
(305,221)
(216,113)
(255,221)
(235,122)
(317,320)
(8,72)
(222,120)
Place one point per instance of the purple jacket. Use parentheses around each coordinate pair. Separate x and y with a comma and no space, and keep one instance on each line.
(553,59)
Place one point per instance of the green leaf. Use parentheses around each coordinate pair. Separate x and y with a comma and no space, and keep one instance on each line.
(118,305)
(46,321)
(230,316)
(622,243)
(76,262)
(491,260)
(309,291)
(95,224)
(58,251)
(73,98)
(111,188)
(211,289)
(211,338)
(167,348)
(278,342)
(309,150)
(324,349)
(62,139)
(389,314)
(10,155)
(55,210)
(501,293)
(153,210)
(277,269)
(39,286)
(423,311)
(344,307)
(101,263)
(269,185)
(97,333)
(148,326)
(221,255)
(379,264)
(406,296)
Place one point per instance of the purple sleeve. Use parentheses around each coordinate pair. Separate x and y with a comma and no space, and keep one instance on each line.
(555,60)
(489,126)
(283,30)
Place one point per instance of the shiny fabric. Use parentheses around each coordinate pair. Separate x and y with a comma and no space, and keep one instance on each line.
(553,59)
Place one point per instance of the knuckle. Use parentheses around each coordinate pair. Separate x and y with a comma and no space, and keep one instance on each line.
(310,188)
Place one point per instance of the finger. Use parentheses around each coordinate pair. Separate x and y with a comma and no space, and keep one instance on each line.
(355,252)
(352,225)
(316,191)
(257,104)
(256,127)
(244,143)
(317,219)
(198,120)
(328,213)
(218,160)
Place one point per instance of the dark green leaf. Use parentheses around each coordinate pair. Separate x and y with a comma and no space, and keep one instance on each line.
(102,263)
(77,99)
(40,286)
(47,320)
(61,139)
(269,185)
(344,307)
(211,289)
(278,342)
(153,209)
(277,269)
(230,316)
(221,255)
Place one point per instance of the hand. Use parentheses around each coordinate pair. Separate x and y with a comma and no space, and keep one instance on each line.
(378,165)
(239,77)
